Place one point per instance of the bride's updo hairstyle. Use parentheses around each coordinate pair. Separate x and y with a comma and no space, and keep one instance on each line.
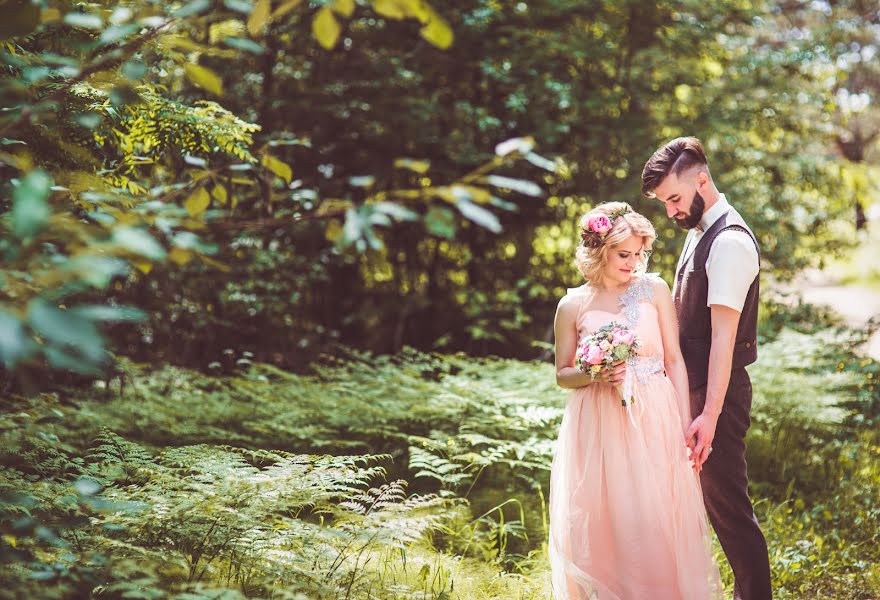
(605,226)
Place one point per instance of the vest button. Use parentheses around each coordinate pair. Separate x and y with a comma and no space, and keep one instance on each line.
(748,344)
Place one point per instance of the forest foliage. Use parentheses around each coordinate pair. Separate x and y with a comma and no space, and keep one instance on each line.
(274,178)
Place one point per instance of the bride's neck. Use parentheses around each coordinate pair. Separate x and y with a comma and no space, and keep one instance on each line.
(604,285)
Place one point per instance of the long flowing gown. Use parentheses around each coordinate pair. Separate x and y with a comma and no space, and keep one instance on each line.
(627,520)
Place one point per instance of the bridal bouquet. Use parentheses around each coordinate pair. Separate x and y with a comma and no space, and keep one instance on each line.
(604,347)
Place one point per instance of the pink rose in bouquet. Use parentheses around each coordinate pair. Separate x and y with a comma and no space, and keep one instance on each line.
(622,336)
(595,355)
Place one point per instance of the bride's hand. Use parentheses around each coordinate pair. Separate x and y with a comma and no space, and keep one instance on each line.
(699,437)
(613,376)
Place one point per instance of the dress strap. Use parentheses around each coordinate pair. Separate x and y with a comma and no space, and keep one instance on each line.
(582,297)
(641,290)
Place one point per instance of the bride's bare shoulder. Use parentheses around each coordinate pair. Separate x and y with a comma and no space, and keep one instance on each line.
(573,299)
(657,283)
(659,288)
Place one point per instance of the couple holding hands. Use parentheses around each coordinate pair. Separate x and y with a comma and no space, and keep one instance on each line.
(631,488)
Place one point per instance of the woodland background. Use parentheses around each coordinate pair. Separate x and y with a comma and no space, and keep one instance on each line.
(279,276)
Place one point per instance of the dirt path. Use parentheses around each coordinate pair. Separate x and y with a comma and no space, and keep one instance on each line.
(856,303)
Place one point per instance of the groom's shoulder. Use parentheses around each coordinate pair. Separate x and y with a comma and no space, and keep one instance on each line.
(736,238)
(735,219)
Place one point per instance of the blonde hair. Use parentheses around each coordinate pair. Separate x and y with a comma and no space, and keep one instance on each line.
(591,261)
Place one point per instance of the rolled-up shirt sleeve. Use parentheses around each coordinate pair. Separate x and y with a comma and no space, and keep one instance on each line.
(731,268)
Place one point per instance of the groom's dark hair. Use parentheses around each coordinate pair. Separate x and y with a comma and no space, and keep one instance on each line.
(674,157)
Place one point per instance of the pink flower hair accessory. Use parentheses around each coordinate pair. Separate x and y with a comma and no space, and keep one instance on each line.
(598,226)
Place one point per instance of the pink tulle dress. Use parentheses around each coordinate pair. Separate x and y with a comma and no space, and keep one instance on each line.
(627,520)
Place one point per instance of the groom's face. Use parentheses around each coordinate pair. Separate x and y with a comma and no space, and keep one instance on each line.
(682,200)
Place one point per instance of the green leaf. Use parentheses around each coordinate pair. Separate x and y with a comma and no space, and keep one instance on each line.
(97,271)
(35,74)
(372,239)
(196,161)
(529,188)
(438,32)
(398,212)
(134,70)
(362,181)
(50,58)
(494,201)
(66,329)
(204,78)
(30,209)
(391,9)
(478,215)
(220,195)
(259,17)
(344,7)
(13,339)
(84,20)
(192,8)
(117,32)
(121,14)
(293,142)
(419,166)
(242,6)
(190,241)
(245,44)
(541,162)
(353,228)
(86,487)
(197,202)
(105,313)
(139,242)
(62,359)
(379,218)
(325,28)
(278,167)
(520,144)
(440,221)
(285,8)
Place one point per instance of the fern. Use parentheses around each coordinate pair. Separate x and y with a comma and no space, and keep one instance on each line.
(282,518)
(385,514)
(450,474)
(112,458)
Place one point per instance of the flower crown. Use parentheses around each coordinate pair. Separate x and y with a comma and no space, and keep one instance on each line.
(598,227)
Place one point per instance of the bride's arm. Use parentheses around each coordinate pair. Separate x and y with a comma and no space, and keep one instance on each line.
(565,329)
(672,358)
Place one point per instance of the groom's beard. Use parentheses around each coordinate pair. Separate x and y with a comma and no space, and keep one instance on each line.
(698,207)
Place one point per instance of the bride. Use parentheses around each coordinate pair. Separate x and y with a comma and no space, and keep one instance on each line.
(627,520)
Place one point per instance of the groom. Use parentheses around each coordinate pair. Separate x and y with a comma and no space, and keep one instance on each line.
(716,297)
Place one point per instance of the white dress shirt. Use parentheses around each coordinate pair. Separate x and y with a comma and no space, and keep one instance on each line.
(733,259)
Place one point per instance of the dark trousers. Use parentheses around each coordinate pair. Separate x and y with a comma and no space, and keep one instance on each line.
(725,491)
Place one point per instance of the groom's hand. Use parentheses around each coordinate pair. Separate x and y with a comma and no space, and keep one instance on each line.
(699,438)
